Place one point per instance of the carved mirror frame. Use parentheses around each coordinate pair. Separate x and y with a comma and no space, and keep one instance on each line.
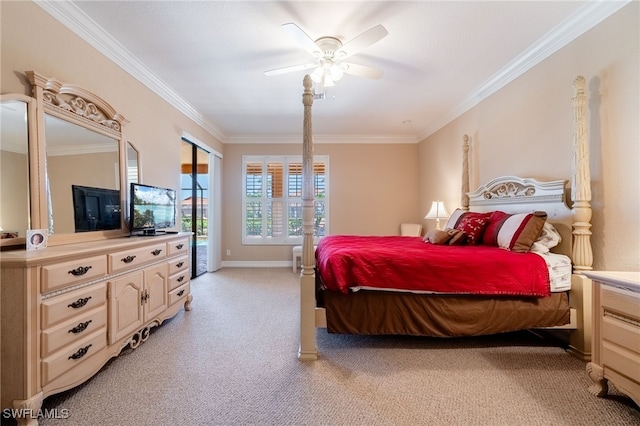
(85,109)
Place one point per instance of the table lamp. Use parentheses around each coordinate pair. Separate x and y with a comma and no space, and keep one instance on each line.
(438,211)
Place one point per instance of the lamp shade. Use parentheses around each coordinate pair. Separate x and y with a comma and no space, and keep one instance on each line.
(437,211)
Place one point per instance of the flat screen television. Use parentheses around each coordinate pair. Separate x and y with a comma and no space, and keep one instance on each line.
(152,208)
(96,209)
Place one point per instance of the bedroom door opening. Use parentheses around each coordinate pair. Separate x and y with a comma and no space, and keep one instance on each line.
(195,203)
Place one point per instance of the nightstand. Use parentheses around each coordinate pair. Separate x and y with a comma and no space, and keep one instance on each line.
(616,333)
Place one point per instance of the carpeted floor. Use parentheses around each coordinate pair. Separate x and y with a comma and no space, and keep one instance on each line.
(232,361)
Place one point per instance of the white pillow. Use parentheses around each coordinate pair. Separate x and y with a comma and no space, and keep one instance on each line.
(548,239)
(539,248)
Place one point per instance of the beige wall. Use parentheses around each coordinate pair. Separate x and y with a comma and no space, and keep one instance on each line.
(526,129)
(372,188)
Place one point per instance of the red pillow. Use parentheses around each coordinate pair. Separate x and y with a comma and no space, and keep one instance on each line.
(473,224)
(490,236)
(515,232)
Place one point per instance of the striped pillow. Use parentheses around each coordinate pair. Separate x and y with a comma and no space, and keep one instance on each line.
(515,232)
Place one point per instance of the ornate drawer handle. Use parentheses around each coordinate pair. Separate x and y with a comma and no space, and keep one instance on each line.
(81,352)
(179,246)
(80,327)
(179,265)
(180,293)
(156,252)
(180,279)
(128,259)
(79,303)
(80,270)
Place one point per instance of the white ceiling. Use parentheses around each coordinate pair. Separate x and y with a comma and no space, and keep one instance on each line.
(440,58)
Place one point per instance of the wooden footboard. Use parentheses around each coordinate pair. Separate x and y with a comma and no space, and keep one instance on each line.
(308,350)
(310,318)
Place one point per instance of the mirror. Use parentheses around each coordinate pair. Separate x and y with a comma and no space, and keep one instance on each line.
(77,156)
(17,125)
(133,162)
(81,193)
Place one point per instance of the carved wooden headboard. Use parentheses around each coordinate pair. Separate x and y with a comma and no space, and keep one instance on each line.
(512,194)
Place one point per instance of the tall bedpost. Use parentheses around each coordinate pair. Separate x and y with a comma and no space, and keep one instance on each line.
(581,252)
(464,201)
(308,350)
(581,182)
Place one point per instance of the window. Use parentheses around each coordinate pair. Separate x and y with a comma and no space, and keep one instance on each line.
(272,199)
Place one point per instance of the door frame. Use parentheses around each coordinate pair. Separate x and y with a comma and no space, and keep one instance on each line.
(214,208)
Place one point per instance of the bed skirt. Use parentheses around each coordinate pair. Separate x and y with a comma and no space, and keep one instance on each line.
(388,313)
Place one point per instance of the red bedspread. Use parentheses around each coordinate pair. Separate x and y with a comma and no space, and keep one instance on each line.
(408,263)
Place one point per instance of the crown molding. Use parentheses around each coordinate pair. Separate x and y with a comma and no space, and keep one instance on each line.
(76,20)
(323,139)
(585,18)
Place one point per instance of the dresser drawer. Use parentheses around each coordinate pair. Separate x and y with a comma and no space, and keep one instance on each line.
(178,279)
(76,328)
(74,303)
(178,246)
(179,293)
(621,331)
(128,259)
(622,301)
(73,272)
(621,360)
(178,265)
(73,356)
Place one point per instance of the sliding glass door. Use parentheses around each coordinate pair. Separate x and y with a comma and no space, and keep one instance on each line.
(194,202)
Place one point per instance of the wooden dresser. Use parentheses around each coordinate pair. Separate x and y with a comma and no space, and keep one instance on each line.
(68,309)
(616,333)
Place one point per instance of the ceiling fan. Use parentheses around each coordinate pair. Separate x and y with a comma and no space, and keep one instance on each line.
(329,53)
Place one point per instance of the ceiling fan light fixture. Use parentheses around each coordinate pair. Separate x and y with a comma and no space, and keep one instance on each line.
(329,52)
(328,80)
(337,72)
(317,74)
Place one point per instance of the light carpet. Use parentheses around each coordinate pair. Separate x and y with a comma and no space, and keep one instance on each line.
(232,361)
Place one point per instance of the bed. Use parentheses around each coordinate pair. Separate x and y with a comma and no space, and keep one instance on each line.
(409,286)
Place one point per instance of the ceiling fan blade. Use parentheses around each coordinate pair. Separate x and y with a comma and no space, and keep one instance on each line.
(362,41)
(362,71)
(291,68)
(296,33)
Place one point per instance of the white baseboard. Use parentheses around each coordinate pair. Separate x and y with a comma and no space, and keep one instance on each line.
(257,264)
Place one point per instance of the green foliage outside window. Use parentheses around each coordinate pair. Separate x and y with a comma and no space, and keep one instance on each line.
(202,229)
